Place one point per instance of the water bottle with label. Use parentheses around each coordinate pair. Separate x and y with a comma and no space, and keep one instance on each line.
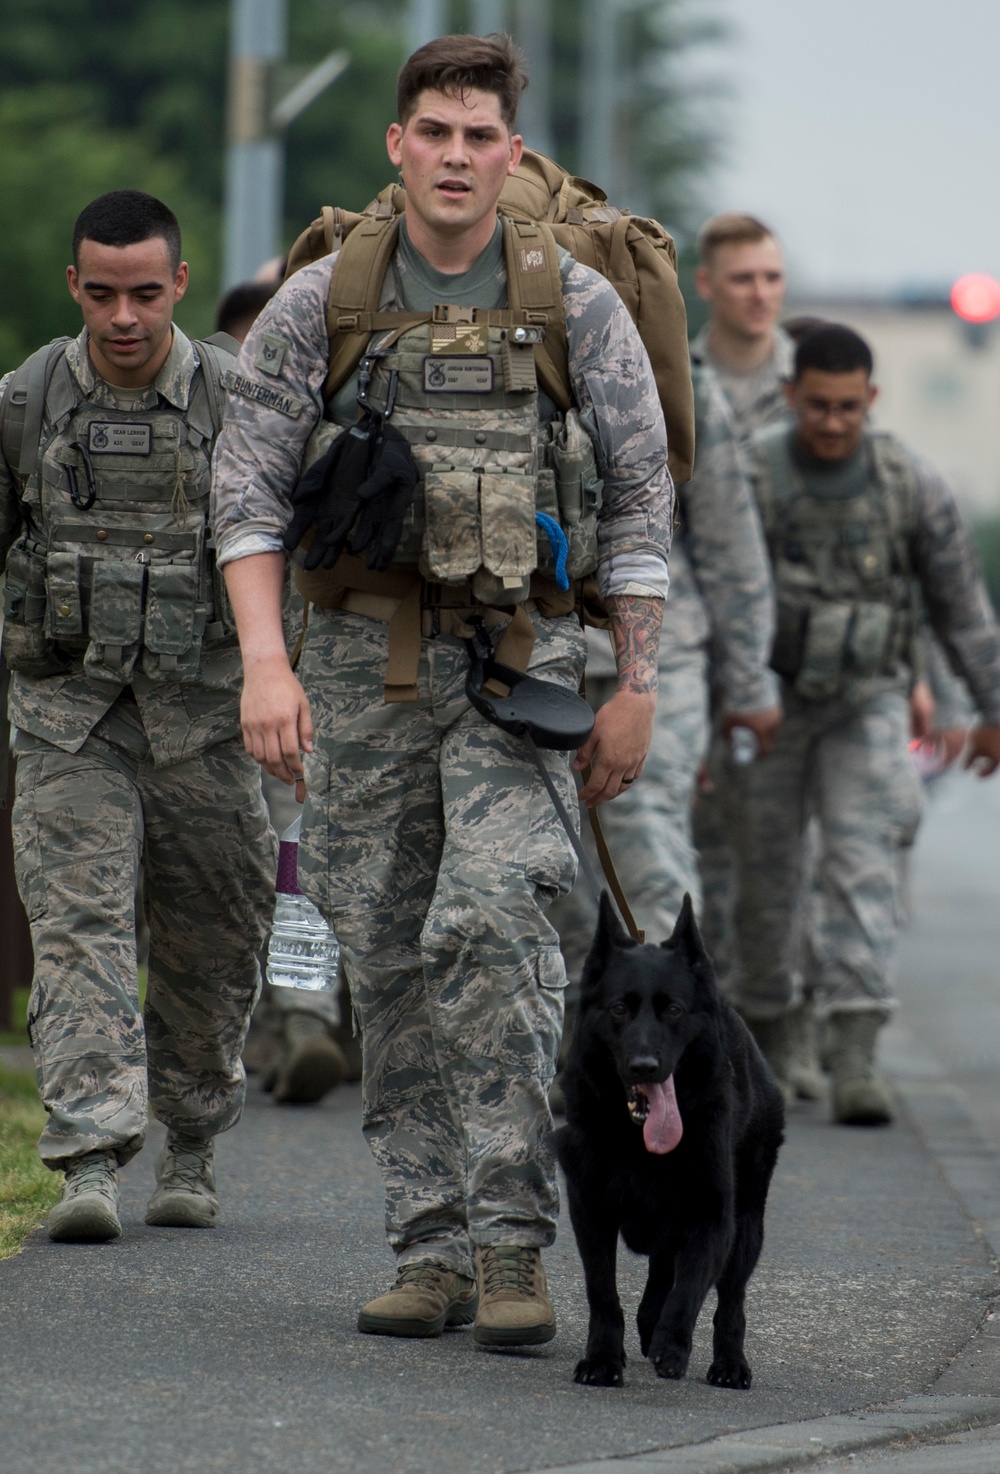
(303,951)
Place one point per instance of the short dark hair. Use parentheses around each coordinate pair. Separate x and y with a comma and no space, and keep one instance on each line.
(240,305)
(833,349)
(798,328)
(460,64)
(124,217)
(730,229)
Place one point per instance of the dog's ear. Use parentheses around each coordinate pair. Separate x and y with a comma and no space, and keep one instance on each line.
(609,937)
(685,939)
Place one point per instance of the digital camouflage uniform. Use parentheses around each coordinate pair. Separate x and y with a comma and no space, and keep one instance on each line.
(428,840)
(754,400)
(125,697)
(757,400)
(841,751)
(720,611)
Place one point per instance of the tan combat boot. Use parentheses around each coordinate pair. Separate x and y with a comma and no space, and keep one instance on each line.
(88,1210)
(424,1299)
(776,1041)
(311,1062)
(514,1304)
(184,1196)
(860,1095)
(805,1074)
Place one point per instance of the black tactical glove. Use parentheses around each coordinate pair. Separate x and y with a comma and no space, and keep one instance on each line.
(371,473)
(385,499)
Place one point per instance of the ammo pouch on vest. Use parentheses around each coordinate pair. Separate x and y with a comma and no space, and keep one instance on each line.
(136,601)
(26,646)
(480,526)
(578,492)
(820,645)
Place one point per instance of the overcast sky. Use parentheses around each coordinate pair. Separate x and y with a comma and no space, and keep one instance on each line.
(868,133)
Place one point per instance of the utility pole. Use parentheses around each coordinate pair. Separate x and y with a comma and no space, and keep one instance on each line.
(534,33)
(488,16)
(598,129)
(426,20)
(264,98)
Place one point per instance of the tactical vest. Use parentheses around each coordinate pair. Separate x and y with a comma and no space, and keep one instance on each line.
(114,564)
(463,387)
(847,600)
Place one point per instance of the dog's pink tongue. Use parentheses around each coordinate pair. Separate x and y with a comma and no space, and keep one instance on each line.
(663,1127)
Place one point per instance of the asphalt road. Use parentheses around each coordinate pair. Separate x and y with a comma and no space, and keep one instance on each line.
(869,1317)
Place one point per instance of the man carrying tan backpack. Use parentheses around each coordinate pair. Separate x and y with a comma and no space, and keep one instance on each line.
(448,493)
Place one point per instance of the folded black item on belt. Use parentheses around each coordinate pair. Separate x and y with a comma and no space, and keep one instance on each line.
(368,477)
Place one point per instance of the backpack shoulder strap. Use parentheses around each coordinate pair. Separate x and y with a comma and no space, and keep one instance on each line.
(355,290)
(772,475)
(215,355)
(22,413)
(534,286)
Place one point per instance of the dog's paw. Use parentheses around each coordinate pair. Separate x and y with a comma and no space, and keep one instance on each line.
(730,1372)
(670,1361)
(600,1371)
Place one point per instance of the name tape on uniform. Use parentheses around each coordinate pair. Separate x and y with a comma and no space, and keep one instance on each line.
(118,438)
(454,375)
(273,398)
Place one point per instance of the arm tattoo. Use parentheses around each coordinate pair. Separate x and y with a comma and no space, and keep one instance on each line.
(635,630)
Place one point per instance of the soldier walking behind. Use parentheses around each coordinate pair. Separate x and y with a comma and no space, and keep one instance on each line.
(125,697)
(859,530)
(428,840)
(721,627)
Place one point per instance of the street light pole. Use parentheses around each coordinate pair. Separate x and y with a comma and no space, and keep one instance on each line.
(254,154)
(425,21)
(488,16)
(534,32)
(599,92)
(265,96)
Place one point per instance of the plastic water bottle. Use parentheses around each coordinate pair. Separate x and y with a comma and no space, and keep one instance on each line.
(743,745)
(303,951)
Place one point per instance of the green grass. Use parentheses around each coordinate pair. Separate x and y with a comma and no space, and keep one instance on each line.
(27,1189)
(19,1010)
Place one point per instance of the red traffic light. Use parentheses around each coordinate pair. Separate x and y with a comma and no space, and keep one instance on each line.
(976,297)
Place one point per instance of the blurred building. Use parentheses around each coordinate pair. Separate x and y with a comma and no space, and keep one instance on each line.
(940,383)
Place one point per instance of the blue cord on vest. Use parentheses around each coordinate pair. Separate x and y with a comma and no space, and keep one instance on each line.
(558,544)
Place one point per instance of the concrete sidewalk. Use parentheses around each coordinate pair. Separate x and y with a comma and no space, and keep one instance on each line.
(178,1350)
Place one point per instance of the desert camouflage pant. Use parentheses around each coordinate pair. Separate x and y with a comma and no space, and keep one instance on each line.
(850,768)
(431,846)
(648,827)
(82,823)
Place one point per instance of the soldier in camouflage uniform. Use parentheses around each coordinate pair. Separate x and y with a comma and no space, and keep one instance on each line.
(741,275)
(124,693)
(299,1041)
(721,612)
(858,530)
(428,839)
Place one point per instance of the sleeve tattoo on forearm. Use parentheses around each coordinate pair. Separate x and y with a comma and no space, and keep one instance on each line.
(635,630)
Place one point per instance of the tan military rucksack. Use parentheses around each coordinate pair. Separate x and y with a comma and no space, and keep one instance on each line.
(552,208)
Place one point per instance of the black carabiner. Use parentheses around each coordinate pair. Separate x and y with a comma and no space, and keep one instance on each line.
(82,503)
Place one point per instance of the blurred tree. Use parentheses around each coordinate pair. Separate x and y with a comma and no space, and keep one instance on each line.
(667,133)
(102,94)
(55,156)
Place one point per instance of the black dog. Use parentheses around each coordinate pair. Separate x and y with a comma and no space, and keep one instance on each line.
(673,1124)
